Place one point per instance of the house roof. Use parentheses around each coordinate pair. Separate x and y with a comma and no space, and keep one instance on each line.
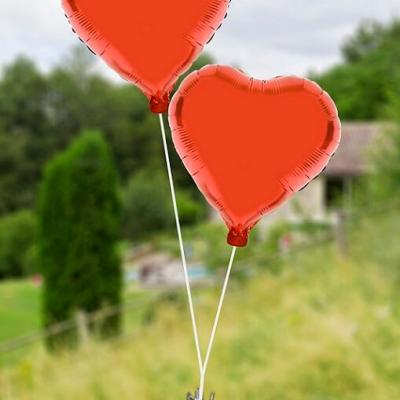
(350,158)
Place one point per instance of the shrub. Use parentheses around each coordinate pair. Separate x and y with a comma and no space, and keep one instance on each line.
(191,211)
(147,205)
(17,237)
(79,229)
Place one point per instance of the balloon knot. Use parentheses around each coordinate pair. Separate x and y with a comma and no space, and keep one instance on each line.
(159,103)
(238,236)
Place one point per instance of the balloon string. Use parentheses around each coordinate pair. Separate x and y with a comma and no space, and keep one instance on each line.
(202,367)
(182,250)
(215,326)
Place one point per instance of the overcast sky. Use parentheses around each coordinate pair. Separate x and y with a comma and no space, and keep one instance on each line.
(265,37)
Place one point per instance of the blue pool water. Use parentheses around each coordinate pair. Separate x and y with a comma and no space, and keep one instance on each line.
(196,271)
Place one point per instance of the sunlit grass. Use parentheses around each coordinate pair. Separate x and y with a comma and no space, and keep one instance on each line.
(316,326)
(19,309)
(325,328)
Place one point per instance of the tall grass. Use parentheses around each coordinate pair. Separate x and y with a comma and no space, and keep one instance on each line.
(324,328)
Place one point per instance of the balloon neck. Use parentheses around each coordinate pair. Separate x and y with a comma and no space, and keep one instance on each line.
(159,103)
(238,237)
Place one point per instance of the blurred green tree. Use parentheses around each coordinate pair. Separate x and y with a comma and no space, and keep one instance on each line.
(23,122)
(17,238)
(40,114)
(147,206)
(383,183)
(53,242)
(370,69)
(368,38)
(79,214)
(191,209)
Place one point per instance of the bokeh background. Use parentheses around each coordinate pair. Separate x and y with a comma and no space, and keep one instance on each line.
(92,304)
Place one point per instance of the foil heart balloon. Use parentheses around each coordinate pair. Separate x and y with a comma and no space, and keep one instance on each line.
(149,43)
(250,144)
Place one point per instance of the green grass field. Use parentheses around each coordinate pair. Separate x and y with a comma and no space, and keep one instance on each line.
(19,309)
(320,327)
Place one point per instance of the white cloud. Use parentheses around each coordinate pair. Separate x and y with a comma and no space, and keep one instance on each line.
(264,37)
(37,29)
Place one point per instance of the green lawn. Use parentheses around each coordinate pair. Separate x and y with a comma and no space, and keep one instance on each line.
(19,309)
(324,328)
(318,326)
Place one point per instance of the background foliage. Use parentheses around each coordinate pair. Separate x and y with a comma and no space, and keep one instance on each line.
(314,324)
(79,217)
(370,71)
(41,113)
(17,244)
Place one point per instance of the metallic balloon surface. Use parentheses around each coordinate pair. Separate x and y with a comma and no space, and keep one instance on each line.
(250,144)
(149,43)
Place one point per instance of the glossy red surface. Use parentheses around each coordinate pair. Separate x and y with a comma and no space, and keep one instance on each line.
(146,42)
(251,144)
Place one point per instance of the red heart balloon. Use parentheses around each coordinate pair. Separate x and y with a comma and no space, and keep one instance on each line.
(146,42)
(250,144)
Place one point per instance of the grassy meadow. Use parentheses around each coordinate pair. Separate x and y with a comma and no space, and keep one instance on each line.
(19,309)
(319,327)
